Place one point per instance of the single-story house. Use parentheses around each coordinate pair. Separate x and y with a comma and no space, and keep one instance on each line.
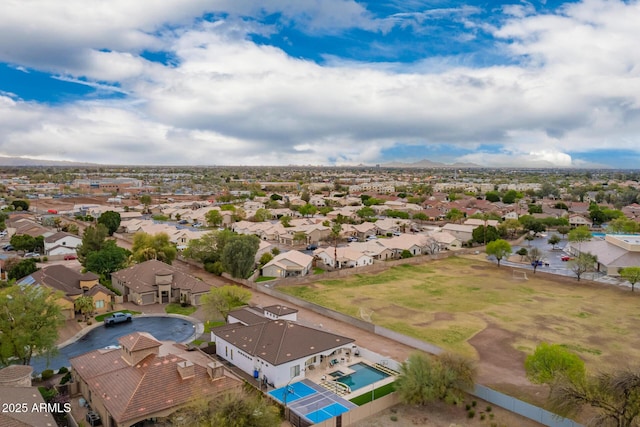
(277,351)
(579,220)
(347,257)
(146,380)
(287,264)
(154,282)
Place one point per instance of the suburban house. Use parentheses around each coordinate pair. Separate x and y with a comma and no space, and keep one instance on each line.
(145,379)
(346,257)
(373,248)
(462,232)
(273,349)
(61,243)
(446,241)
(288,264)
(579,220)
(154,282)
(72,285)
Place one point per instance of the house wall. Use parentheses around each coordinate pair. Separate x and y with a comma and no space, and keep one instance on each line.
(274,271)
(105,305)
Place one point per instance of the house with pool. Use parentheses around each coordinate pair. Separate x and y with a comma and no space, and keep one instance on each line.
(270,345)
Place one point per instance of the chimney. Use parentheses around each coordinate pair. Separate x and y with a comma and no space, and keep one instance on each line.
(215,370)
(186,369)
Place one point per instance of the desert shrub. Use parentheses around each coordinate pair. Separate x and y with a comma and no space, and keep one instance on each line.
(66,378)
(47,374)
(63,370)
(471,413)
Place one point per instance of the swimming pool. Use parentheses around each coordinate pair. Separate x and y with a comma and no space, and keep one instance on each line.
(364,375)
(161,327)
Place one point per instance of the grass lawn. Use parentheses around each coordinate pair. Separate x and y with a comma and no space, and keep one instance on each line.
(176,308)
(101,317)
(212,324)
(447,302)
(264,278)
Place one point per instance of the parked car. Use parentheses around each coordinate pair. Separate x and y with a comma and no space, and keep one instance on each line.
(312,247)
(372,237)
(32,255)
(7,247)
(69,257)
(539,263)
(183,221)
(397,233)
(352,239)
(117,318)
(566,258)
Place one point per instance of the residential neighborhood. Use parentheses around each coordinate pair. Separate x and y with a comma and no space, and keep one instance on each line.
(129,244)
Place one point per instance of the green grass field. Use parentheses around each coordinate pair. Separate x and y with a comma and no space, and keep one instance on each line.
(447,302)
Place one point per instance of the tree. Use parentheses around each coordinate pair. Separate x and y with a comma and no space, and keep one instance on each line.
(265,259)
(563,230)
(243,409)
(238,256)
(366,213)
(510,227)
(582,263)
(84,304)
(305,196)
(299,237)
(146,200)
(552,360)
(20,205)
(523,252)
(483,235)
(29,322)
(107,260)
(631,275)
(420,216)
(262,215)
(510,197)
(213,218)
(335,235)
(615,396)
(455,215)
(534,257)
(111,220)
(308,210)
(285,221)
(425,379)
(23,242)
(492,196)
(93,239)
(220,301)
(554,240)
(406,253)
(22,268)
(580,234)
(156,246)
(499,248)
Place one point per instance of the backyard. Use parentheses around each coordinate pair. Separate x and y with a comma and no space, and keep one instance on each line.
(472,307)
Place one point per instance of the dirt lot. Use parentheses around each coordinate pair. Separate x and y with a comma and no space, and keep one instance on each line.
(473,307)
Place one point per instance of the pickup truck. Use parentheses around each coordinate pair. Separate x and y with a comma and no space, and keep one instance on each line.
(117,318)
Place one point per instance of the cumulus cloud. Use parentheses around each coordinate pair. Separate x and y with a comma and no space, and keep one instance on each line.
(573,86)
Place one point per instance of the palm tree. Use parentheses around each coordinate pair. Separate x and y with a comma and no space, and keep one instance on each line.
(84,305)
(336,229)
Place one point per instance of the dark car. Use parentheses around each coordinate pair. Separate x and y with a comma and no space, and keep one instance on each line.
(539,263)
(8,247)
(312,247)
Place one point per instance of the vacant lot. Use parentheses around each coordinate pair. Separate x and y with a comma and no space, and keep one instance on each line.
(472,307)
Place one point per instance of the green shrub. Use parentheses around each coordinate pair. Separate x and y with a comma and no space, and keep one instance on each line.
(47,393)
(488,408)
(474,403)
(46,374)
(66,378)
(45,259)
(467,406)
(63,370)
(471,413)
(482,417)
(394,418)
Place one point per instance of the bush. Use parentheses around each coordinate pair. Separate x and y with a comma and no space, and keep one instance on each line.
(63,370)
(394,418)
(467,406)
(482,417)
(474,403)
(46,374)
(488,408)
(471,413)
(66,378)
(47,393)
(45,259)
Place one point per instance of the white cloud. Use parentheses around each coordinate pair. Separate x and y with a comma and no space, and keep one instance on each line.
(231,101)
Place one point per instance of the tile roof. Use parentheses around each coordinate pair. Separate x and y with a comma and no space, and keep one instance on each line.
(280,310)
(61,278)
(138,341)
(151,386)
(280,341)
(29,396)
(141,277)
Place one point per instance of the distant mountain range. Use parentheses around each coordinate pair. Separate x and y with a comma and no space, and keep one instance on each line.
(26,161)
(428,164)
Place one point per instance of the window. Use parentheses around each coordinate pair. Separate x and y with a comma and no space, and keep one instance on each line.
(100,304)
(295,371)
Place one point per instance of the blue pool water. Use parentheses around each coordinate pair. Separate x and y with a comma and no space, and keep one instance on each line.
(364,375)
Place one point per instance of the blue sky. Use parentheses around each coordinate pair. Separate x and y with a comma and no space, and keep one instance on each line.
(332,82)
